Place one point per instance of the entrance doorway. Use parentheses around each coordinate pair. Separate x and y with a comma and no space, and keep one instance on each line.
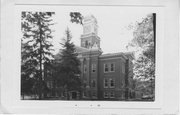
(74,95)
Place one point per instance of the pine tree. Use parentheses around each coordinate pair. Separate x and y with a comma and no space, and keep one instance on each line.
(36,46)
(69,71)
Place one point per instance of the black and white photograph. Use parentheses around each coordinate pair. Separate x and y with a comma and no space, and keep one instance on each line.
(89,57)
(89,53)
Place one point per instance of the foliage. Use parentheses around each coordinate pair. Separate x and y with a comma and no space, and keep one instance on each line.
(144,64)
(143,39)
(26,85)
(69,71)
(76,17)
(36,45)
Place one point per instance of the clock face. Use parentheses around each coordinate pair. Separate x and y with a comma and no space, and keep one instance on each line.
(87,29)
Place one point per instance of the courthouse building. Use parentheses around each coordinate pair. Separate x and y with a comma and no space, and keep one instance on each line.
(104,76)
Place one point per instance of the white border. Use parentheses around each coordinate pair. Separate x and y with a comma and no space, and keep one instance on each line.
(11,83)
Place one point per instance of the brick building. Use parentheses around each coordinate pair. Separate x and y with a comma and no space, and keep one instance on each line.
(104,76)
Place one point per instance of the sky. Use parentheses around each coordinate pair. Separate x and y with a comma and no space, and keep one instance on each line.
(112,25)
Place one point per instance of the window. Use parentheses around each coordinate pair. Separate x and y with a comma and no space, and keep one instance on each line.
(93,83)
(87,29)
(63,94)
(122,95)
(89,44)
(109,67)
(48,84)
(83,44)
(86,43)
(105,94)
(77,75)
(112,95)
(85,68)
(93,94)
(112,83)
(122,84)
(112,67)
(93,68)
(106,68)
(84,94)
(105,83)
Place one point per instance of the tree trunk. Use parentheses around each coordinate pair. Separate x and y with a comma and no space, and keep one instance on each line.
(40,61)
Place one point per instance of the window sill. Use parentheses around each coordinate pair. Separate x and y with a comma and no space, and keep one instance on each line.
(109,72)
(111,87)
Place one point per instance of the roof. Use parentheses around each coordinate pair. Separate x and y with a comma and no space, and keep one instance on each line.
(112,55)
(129,55)
(81,49)
(124,55)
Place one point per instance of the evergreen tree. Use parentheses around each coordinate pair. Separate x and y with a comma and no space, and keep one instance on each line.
(36,46)
(69,71)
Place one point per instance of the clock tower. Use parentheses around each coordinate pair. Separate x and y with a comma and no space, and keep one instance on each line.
(89,38)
